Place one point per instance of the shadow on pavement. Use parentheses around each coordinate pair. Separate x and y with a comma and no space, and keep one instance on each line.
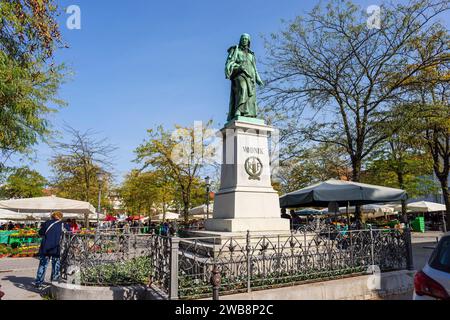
(25,283)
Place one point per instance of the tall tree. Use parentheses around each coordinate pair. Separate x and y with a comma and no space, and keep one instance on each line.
(343,77)
(77,162)
(147,193)
(404,169)
(181,155)
(401,161)
(431,107)
(29,79)
(23,183)
(313,165)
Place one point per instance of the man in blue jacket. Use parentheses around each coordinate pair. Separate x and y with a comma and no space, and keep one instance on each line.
(51,232)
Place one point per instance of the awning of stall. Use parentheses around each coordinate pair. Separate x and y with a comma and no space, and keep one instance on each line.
(41,207)
(344,193)
(424,206)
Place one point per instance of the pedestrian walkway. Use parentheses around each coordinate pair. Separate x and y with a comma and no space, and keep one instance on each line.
(16,276)
(427,237)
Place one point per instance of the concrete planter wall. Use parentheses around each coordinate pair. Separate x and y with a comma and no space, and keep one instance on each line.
(353,288)
(365,287)
(63,291)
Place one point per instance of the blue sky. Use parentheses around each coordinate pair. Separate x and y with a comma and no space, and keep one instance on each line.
(141,63)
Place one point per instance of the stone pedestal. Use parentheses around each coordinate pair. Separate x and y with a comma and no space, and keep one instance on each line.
(246,199)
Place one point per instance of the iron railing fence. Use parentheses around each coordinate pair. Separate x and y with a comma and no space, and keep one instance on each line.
(114,258)
(252,263)
(124,230)
(182,267)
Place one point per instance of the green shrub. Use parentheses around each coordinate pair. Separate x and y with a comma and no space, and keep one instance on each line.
(132,272)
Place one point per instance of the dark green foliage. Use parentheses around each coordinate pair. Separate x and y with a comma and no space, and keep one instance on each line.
(23,183)
(29,81)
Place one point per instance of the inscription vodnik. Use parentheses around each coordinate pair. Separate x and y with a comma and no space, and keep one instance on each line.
(253,150)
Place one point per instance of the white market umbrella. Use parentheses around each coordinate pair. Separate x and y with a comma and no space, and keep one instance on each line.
(169,216)
(41,207)
(201,210)
(48,204)
(11,215)
(424,206)
(370,208)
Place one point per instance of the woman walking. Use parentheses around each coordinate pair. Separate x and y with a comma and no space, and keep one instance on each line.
(51,232)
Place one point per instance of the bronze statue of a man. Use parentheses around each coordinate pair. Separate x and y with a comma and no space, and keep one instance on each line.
(241,70)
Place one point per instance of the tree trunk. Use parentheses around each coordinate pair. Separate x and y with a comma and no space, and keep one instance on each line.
(164,212)
(186,203)
(88,187)
(405,213)
(401,183)
(446,196)
(356,177)
(356,167)
(400,180)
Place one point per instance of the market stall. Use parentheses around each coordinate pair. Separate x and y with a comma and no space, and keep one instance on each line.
(41,208)
(427,214)
(24,241)
(168,215)
(336,193)
(344,193)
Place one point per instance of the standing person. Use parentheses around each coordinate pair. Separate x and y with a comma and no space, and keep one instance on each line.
(51,232)
(165,229)
(126,228)
(74,226)
(284,215)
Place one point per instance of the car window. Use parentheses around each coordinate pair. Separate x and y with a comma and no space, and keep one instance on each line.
(440,259)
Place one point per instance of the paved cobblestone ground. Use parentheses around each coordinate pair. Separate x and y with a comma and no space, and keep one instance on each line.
(16,276)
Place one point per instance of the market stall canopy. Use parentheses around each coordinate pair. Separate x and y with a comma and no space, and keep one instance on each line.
(368,211)
(201,210)
(43,206)
(423,206)
(9,215)
(110,218)
(169,216)
(342,192)
(309,212)
(371,208)
(135,218)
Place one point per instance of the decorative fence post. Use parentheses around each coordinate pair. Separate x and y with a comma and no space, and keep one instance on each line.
(409,253)
(215,282)
(372,255)
(173,286)
(249,263)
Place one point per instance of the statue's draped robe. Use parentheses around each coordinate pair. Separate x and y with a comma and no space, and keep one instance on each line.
(241,70)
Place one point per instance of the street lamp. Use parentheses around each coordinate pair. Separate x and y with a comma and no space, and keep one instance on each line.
(100,179)
(208,186)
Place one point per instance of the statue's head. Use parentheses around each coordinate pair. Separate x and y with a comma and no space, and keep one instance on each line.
(245,40)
